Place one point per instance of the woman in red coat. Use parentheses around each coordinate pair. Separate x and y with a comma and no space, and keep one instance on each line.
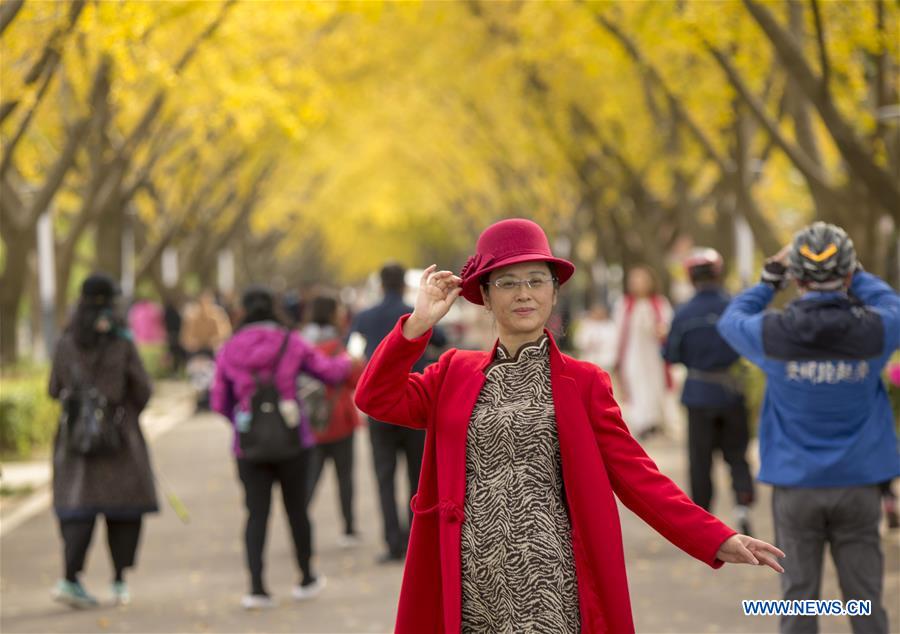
(516,523)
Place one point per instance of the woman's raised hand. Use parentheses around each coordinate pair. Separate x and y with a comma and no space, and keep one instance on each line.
(437,292)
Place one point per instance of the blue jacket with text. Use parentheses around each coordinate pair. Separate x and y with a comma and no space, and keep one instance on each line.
(826,420)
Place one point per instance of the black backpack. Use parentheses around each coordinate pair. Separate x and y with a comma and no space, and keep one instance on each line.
(90,424)
(268,437)
(316,401)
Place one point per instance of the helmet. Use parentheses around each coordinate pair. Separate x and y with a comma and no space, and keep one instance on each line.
(822,255)
(704,262)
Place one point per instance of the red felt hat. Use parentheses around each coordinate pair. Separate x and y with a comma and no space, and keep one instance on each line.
(509,242)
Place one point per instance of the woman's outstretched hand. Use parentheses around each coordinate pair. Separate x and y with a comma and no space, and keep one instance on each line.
(437,292)
(743,549)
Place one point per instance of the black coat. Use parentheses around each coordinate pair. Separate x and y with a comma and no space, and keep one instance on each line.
(121,484)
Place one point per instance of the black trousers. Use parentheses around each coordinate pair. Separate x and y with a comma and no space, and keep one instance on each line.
(724,429)
(122,536)
(258,478)
(387,442)
(340,452)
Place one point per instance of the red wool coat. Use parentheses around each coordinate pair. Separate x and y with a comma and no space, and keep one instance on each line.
(599,458)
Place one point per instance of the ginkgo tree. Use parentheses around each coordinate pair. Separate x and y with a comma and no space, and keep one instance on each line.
(318,139)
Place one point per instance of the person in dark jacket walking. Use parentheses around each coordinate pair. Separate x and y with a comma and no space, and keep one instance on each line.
(172,319)
(388,440)
(826,436)
(96,353)
(717,413)
(263,347)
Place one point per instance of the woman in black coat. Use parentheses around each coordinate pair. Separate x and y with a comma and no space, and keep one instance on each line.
(116,480)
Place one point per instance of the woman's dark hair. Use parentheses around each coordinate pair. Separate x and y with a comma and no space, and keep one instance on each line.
(259,305)
(323,310)
(98,300)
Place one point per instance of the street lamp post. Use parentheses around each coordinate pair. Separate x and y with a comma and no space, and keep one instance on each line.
(169,262)
(127,281)
(743,250)
(225,271)
(47,279)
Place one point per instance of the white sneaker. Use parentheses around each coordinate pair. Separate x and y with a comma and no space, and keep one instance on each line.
(120,593)
(257,602)
(349,541)
(310,590)
(73,594)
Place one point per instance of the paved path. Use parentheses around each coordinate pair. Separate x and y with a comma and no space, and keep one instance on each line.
(191,577)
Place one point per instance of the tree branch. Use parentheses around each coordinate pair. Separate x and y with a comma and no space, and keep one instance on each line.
(674,103)
(880,184)
(49,53)
(8,11)
(810,170)
(26,120)
(249,202)
(823,50)
(143,127)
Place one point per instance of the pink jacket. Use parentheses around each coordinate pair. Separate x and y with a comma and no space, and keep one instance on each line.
(252,349)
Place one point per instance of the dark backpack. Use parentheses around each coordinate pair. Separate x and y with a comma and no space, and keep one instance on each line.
(317,402)
(90,424)
(268,437)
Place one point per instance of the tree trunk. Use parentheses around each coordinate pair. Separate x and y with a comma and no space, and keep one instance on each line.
(12,285)
(108,241)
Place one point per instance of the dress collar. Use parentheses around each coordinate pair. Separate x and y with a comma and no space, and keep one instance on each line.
(502,354)
(557,360)
(533,349)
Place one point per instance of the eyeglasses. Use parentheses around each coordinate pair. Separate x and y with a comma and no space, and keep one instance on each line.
(535,283)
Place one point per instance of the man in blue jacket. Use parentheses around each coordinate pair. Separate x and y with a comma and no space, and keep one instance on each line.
(826,433)
(388,440)
(717,413)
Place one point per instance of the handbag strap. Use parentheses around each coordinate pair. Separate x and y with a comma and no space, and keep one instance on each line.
(281,350)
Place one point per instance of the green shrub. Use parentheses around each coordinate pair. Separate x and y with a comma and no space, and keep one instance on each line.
(754,381)
(156,360)
(28,416)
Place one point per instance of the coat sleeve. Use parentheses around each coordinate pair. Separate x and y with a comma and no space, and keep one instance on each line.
(330,370)
(137,381)
(637,481)
(57,384)
(876,294)
(389,392)
(671,350)
(221,394)
(741,323)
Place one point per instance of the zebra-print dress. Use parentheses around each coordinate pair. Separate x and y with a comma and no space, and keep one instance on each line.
(518,571)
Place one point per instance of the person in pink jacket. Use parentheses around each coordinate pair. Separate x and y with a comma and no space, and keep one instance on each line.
(516,526)
(262,346)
